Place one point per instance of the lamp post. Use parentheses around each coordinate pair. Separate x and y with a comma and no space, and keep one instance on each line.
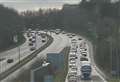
(15,39)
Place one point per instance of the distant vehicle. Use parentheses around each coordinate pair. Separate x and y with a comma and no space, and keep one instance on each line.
(72,61)
(32,48)
(84,53)
(73,35)
(72,65)
(72,71)
(73,50)
(33,40)
(43,35)
(30,39)
(28,35)
(10,61)
(34,37)
(72,56)
(83,59)
(86,70)
(63,32)
(70,36)
(30,44)
(57,31)
(73,41)
(39,33)
(72,78)
(79,38)
(43,40)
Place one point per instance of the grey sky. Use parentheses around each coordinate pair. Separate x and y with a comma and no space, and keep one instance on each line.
(22,5)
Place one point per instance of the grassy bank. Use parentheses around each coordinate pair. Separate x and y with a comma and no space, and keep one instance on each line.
(114,80)
(60,75)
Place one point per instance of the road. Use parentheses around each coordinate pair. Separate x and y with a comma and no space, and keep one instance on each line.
(13,54)
(60,41)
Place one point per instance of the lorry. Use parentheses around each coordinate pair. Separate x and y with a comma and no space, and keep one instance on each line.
(86,70)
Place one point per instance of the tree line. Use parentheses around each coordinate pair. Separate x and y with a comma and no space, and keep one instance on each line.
(10,24)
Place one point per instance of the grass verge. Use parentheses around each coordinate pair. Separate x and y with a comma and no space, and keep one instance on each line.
(60,75)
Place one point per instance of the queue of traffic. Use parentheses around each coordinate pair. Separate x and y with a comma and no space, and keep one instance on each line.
(32,35)
(78,53)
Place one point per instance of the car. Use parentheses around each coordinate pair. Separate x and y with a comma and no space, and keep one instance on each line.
(72,65)
(73,41)
(30,44)
(83,59)
(72,79)
(72,61)
(74,68)
(72,71)
(43,40)
(32,48)
(34,37)
(39,34)
(84,53)
(28,35)
(72,58)
(72,55)
(73,35)
(70,36)
(83,49)
(10,61)
(33,40)
(43,35)
(63,32)
(30,39)
(79,38)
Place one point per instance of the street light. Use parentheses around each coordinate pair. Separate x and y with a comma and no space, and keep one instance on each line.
(15,39)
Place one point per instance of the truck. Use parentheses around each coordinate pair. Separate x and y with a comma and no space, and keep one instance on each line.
(86,70)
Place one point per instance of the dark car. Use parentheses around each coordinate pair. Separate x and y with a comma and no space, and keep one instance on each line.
(43,36)
(30,39)
(30,44)
(34,37)
(83,59)
(79,38)
(84,53)
(43,40)
(33,48)
(10,60)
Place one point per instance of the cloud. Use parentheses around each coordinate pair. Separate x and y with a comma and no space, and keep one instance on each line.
(22,5)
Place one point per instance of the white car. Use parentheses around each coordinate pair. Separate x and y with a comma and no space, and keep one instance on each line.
(72,71)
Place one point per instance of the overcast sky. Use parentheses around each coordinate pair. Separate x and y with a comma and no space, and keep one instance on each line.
(22,5)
